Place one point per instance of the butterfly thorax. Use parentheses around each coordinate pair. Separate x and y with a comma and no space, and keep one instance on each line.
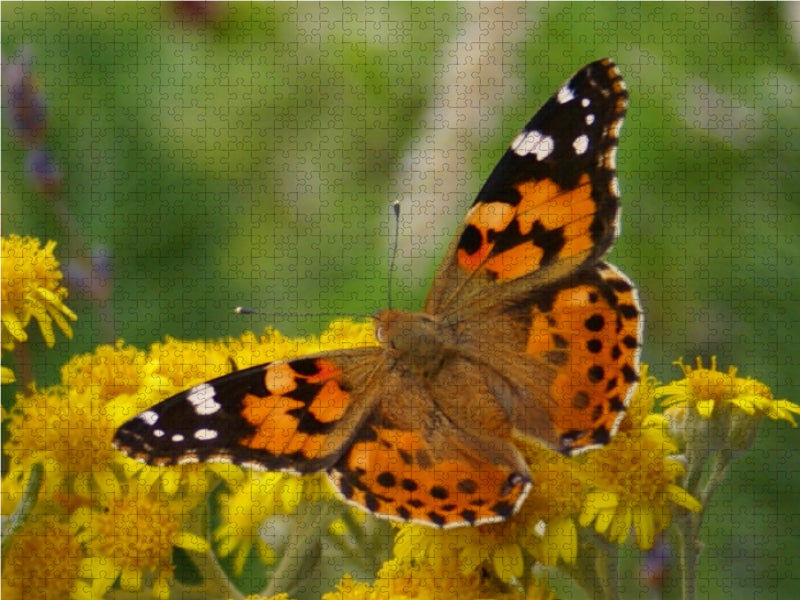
(416,341)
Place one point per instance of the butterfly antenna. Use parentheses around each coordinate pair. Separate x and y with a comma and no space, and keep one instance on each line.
(393,261)
(243,310)
(279,316)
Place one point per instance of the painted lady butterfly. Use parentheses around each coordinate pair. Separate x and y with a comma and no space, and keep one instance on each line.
(526,334)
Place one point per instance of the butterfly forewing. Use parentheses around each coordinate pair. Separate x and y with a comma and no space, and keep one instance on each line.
(550,205)
(290,415)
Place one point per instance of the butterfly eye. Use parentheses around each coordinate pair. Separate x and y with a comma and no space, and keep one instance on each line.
(380,334)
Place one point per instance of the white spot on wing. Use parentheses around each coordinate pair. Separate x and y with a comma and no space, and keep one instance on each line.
(177,437)
(201,397)
(589,119)
(581,144)
(564,94)
(205,434)
(585,102)
(613,188)
(613,131)
(150,417)
(533,142)
(158,433)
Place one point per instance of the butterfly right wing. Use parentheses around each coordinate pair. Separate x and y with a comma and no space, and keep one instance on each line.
(523,279)
(296,415)
(550,205)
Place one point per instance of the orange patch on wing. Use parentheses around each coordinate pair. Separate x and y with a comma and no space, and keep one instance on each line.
(581,401)
(400,469)
(473,262)
(270,414)
(553,207)
(485,217)
(330,402)
(280,378)
(516,262)
(542,203)
(491,215)
(327,370)
(573,210)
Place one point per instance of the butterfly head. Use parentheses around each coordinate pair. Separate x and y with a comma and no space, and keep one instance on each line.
(413,339)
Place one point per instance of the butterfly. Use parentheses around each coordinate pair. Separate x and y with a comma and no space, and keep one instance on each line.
(526,334)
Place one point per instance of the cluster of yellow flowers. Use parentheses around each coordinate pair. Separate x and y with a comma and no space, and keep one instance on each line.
(101,519)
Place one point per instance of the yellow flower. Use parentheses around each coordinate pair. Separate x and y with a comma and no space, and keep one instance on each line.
(66,430)
(631,481)
(634,485)
(131,536)
(708,389)
(175,365)
(714,411)
(254,497)
(490,561)
(545,524)
(271,345)
(109,371)
(349,589)
(43,561)
(400,580)
(31,288)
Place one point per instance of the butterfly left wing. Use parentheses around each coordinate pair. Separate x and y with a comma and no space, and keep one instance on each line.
(296,415)
(374,429)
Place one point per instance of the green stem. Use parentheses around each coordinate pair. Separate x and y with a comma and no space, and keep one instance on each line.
(304,547)
(25,506)
(607,569)
(689,523)
(689,547)
(696,461)
(719,472)
(597,567)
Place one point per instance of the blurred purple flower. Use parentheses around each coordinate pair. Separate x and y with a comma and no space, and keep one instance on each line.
(42,171)
(95,279)
(24,102)
(199,12)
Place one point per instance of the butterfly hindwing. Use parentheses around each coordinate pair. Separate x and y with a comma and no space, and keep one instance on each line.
(589,328)
(431,473)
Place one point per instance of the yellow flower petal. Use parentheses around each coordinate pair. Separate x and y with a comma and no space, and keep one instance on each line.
(7,375)
(190,541)
(681,497)
(508,562)
(560,542)
(130,579)
(15,327)
(160,587)
(594,504)
(644,524)
(705,408)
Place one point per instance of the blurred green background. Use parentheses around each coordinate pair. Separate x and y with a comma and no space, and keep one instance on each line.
(247,154)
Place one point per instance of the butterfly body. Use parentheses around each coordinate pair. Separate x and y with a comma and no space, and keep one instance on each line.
(525,334)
